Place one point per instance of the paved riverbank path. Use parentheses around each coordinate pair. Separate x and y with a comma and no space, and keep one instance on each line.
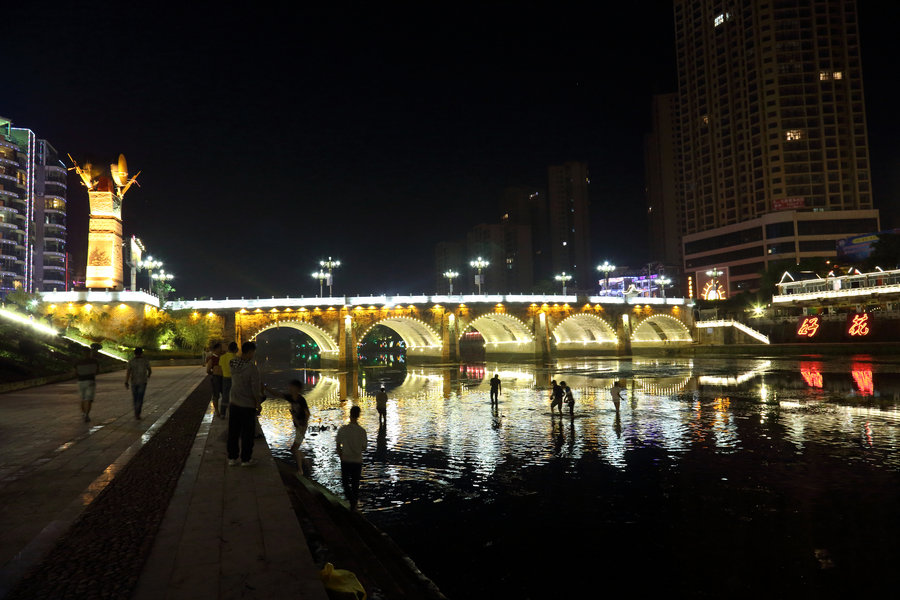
(53,465)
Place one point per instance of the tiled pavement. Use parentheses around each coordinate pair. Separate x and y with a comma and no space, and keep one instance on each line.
(229,532)
(52,464)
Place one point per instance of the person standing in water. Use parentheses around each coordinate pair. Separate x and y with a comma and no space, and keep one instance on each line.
(569,398)
(381,406)
(299,415)
(495,389)
(556,397)
(616,391)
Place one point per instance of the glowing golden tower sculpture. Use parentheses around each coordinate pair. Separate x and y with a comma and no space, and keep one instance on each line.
(104,258)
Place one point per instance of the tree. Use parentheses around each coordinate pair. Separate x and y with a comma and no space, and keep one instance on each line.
(29,303)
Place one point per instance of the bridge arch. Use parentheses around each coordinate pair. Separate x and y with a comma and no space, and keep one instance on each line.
(659,329)
(582,329)
(502,333)
(418,336)
(327,344)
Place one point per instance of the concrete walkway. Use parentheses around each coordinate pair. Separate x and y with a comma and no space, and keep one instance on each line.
(229,532)
(52,464)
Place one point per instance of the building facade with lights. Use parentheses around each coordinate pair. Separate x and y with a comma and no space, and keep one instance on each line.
(771,121)
(33,231)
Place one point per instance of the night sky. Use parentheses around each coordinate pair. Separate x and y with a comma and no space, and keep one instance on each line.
(272,137)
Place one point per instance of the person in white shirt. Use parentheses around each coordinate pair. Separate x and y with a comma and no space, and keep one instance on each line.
(615,392)
(351,443)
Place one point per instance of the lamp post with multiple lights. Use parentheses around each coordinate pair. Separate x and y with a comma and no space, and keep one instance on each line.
(479,264)
(662,282)
(162,279)
(606,269)
(563,278)
(450,275)
(330,265)
(321,276)
(149,264)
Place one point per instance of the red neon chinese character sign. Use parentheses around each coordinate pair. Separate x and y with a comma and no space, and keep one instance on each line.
(858,325)
(809,327)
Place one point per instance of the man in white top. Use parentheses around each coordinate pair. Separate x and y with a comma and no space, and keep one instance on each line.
(351,443)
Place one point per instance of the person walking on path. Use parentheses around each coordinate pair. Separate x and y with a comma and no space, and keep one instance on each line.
(569,398)
(556,397)
(381,406)
(246,398)
(615,393)
(138,373)
(225,364)
(86,369)
(351,442)
(495,389)
(214,370)
(299,415)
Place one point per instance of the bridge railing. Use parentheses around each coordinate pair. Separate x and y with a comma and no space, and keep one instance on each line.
(385,300)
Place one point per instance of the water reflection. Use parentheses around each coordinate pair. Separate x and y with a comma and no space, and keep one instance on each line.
(442,437)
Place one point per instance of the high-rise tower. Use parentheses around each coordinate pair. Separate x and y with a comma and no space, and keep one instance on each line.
(570,221)
(774,159)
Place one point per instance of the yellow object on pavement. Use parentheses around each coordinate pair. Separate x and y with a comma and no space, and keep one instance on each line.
(341,584)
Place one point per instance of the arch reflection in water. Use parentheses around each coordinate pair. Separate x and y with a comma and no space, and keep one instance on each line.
(442,438)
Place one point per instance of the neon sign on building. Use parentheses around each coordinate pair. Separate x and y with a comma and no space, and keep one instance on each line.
(858,325)
(809,327)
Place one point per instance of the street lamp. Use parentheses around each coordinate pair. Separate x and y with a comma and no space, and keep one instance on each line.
(331,265)
(450,276)
(606,269)
(162,280)
(321,276)
(662,282)
(479,263)
(564,278)
(150,264)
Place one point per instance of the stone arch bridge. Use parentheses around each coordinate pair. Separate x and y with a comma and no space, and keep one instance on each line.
(519,327)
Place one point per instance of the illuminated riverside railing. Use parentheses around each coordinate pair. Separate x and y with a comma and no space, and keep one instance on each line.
(845,286)
(737,325)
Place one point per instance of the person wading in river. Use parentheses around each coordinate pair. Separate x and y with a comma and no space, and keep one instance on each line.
(556,397)
(495,389)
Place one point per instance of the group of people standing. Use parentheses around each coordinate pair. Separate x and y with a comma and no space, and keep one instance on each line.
(238,394)
(560,394)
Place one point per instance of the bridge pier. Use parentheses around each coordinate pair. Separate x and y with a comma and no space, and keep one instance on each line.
(348,357)
(623,333)
(542,351)
(450,338)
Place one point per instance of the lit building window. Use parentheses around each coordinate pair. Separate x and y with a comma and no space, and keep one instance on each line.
(829,75)
(721,18)
(837,75)
(792,135)
(705,119)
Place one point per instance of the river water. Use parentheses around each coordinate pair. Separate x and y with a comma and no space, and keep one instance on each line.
(717,476)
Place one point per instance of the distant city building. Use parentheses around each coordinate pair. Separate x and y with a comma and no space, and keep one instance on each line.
(450,256)
(32,212)
(770,118)
(527,206)
(661,181)
(568,208)
(508,248)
